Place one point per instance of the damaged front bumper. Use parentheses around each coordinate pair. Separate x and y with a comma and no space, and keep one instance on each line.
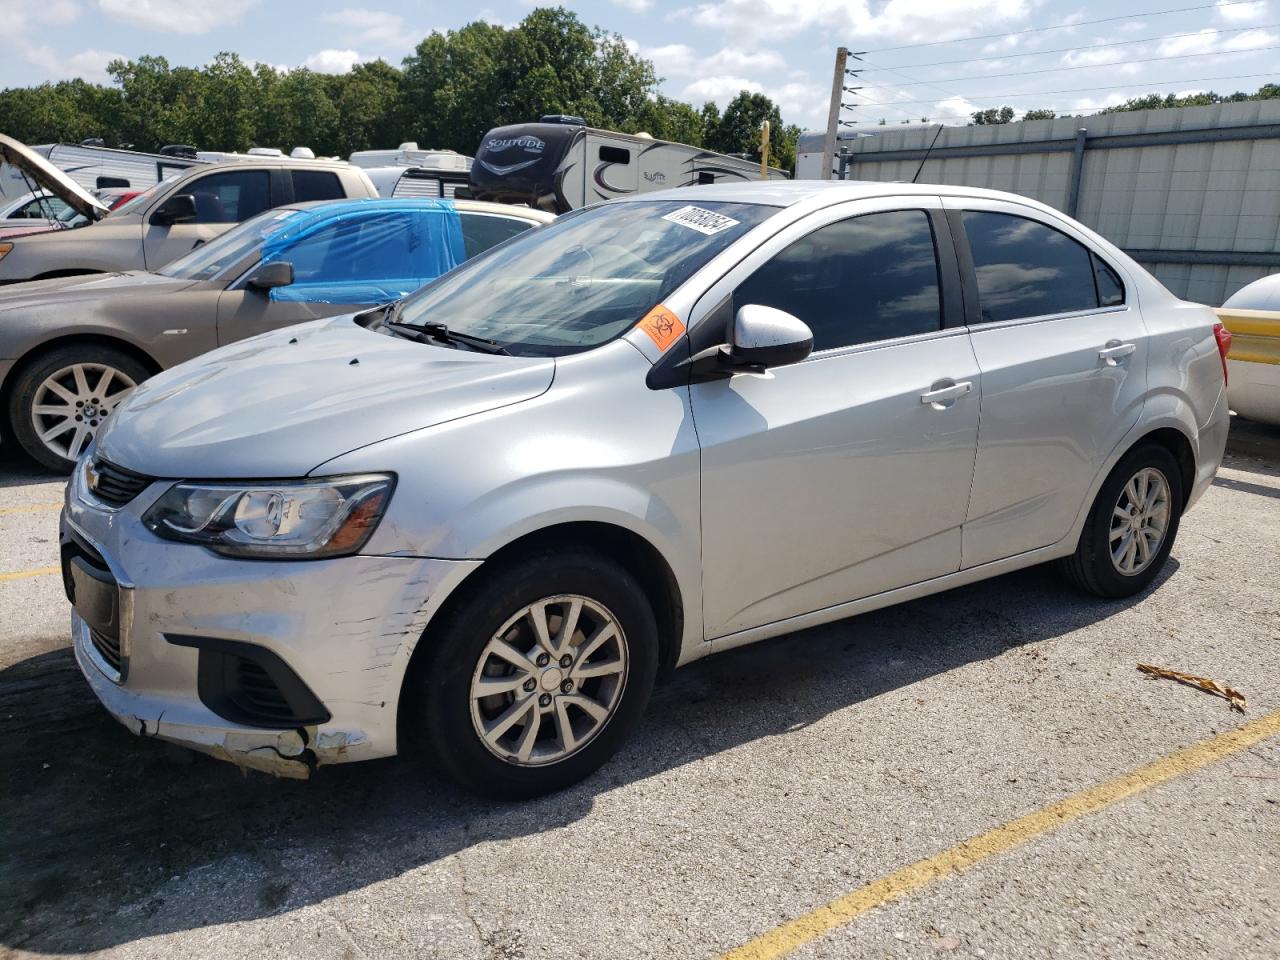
(343,628)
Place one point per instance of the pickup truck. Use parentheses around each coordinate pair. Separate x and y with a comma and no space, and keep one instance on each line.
(167,221)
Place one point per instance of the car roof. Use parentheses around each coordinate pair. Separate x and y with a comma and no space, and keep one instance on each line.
(786,193)
(337,207)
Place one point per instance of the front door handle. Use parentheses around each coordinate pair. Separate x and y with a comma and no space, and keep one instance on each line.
(1114,350)
(944,391)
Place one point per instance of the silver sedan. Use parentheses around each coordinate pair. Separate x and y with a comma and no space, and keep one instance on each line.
(653,430)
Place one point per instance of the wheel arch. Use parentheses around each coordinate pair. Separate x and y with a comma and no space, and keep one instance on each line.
(1179,446)
(637,555)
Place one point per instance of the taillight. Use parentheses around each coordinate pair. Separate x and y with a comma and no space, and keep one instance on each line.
(1223,336)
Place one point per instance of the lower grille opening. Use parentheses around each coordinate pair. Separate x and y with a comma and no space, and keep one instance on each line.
(250,685)
(108,648)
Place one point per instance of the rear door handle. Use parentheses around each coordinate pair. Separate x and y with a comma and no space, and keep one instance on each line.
(1114,350)
(943,394)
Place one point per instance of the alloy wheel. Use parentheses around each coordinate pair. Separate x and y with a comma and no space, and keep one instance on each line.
(549,680)
(70,403)
(1139,521)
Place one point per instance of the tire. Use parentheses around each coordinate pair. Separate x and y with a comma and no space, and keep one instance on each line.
(32,386)
(447,713)
(1093,568)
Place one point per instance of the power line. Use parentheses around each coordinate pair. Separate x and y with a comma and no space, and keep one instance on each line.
(1094,46)
(1092,66)
(1180,81)
(1067,26)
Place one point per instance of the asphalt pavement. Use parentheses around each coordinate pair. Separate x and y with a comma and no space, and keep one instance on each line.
(812,793)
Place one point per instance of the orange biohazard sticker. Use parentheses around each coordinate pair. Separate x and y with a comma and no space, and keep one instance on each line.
(663,327)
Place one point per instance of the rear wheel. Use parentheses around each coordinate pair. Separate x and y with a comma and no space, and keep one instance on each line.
(537,675)
(1131,526)
(61,398)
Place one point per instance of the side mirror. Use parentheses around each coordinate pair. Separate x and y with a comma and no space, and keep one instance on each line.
(764,337)
(268,276)
(180,208)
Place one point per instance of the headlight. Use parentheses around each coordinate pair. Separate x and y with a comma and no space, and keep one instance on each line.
(328,517)
(4,249)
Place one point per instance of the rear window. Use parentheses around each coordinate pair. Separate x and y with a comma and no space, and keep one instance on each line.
(316,185)
(481,231)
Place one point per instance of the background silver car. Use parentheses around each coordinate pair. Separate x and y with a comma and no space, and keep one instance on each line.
(653,430)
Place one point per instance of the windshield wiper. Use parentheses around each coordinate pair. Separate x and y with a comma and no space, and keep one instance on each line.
(439,331)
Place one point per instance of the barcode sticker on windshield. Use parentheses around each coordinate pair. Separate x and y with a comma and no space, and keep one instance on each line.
(704,221)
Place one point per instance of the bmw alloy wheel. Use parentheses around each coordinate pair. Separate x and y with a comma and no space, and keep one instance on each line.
(71,402)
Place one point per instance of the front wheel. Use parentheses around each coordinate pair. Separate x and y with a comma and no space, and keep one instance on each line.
(537,675)
(60,399)
(1131,526)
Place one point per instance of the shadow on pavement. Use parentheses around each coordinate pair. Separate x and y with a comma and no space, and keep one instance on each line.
(103,828)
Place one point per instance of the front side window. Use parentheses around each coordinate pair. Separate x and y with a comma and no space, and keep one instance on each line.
(211,260)
(1028,269)
(584,279)
(231,197)
(873,277)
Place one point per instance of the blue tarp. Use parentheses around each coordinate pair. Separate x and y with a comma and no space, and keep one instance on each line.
(366,251)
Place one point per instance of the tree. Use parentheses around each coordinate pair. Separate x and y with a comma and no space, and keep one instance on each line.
(992,115)
(1039,115)
(739,129)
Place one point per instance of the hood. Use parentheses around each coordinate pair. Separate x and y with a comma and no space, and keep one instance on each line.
(281,404)
(46,175)
(85,287)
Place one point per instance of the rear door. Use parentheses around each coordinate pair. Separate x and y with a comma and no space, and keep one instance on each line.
(1063,354)
(480,231)
(848,474)
(223,199)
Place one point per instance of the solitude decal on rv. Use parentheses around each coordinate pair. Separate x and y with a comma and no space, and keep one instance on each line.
(525,144)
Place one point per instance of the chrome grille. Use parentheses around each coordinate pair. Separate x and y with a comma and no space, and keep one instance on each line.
(114,486)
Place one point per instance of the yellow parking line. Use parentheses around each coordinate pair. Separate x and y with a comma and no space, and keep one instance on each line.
(23,574)
(793,934)
(31,508)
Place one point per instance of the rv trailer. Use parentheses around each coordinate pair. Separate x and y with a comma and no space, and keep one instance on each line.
(98,168)
(561,164)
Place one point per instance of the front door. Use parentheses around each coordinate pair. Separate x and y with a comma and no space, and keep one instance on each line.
(1063,354)
(222,200)
(848,474)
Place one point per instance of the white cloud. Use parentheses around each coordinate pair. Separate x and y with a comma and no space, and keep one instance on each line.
(1241,12)
(681,60)
(1092,57)
(16,15)
(92,64)
(362,25)
(333,61)
(720,89)
(88,65)
(176,16)
(1207,41)
(635,6)
(898,20)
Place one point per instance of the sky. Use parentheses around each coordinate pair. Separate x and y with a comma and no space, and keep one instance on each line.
(935,59)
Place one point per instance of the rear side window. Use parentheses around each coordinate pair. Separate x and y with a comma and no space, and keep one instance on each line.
(480,231)
(316,185)
(232,196)
(873,277)
(1028,269)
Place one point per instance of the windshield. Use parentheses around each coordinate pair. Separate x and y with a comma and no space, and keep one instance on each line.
(221,253)
(584,279)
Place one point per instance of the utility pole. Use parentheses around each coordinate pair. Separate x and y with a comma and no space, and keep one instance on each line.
(833,112)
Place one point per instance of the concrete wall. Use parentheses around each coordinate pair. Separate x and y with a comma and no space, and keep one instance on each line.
(1203,216)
